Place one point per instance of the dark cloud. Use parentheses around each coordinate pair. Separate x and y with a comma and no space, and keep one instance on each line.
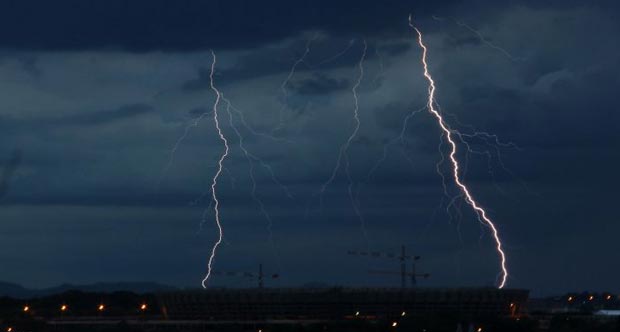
(202,82)
(196,112)
(463,40)
(197,25)
(30,65)
(162,25)
(85,118)
(103,117)
(8,170)
(103,164)
(319,84)
(394,48)
(324,54)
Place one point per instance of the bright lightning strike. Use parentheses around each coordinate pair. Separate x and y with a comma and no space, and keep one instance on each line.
(490,140)
(217,173)
(455,164)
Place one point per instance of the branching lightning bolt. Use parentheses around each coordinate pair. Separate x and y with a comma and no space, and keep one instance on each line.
(249,128)
(217,173)
(481,213)
(193,123)
(398,139)
(231,108)
(343,153)
(283,86)
(332,58)
(491,141)
(483,39)
(251,158)
(489,43)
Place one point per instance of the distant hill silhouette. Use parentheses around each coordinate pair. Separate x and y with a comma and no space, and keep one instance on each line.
(18,291)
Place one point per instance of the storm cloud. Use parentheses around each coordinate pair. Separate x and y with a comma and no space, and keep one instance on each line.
(98,95)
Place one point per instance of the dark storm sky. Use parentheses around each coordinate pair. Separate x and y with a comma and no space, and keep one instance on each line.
(94,95)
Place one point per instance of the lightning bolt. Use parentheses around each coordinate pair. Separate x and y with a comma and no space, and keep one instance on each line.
(398,139)
(343,153)
(193,123)
(491,141)
(483,39)
(480,212)
(251,159)
(332,58)
(220,163)
(381,71)
(488,42)
(244,123)
(283,86)
(231,108)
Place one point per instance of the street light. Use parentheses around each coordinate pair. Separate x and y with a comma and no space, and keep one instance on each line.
(63,308)
(26,308)
(101,307)
(394,324)
(143,307)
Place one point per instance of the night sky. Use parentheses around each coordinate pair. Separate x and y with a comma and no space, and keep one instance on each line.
(94,95)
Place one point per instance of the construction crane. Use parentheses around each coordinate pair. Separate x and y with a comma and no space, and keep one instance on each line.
(403,258)
(259,276)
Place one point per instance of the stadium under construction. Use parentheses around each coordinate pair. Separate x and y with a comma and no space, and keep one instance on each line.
(293,309)
(339,303)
